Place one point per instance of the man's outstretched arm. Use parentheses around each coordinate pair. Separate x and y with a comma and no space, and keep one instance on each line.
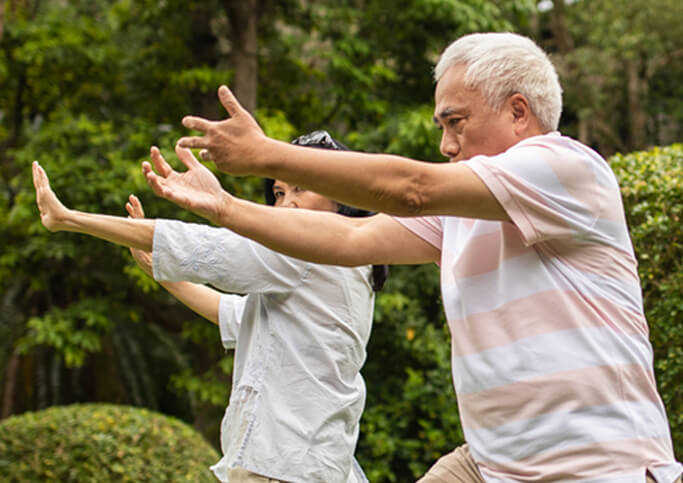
(377,182)
(320,237)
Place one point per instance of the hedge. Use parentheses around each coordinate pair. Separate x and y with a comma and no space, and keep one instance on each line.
(652,189)
(102,443)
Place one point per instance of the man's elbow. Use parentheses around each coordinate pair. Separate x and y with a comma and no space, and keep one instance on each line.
(410,197)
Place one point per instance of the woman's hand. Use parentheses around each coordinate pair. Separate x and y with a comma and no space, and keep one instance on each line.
(53,214)
(143,258)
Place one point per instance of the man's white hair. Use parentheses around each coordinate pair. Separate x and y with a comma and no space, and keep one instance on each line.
(502,64)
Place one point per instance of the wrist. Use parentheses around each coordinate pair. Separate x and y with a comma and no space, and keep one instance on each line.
(266,161)
(224,209)
(68,220)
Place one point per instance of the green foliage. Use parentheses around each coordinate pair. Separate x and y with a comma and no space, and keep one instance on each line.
(652,189)
(410,133)
(352,65)
(210,387)
(86,86)
(90,86)
(102,442)
(411,416)
(73,331)
(621,74)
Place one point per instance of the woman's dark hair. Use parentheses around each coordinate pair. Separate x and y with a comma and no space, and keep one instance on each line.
(322,140)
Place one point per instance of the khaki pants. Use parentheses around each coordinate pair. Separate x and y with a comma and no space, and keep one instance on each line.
(459,467)
(240,475)
(454,467)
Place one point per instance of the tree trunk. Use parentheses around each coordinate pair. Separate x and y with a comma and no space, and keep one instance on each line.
(2,18)
(636,116)
(243,16)
(584,132)
(10,384)
(564,40)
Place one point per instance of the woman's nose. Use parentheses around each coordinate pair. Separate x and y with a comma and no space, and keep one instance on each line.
(290,202)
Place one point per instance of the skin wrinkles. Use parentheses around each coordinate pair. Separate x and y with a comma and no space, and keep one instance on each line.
(469,126)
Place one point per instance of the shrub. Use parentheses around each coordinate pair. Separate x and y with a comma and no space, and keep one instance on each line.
(101,443)
(652,188)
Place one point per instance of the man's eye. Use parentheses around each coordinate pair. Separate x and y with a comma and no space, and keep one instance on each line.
(454,121)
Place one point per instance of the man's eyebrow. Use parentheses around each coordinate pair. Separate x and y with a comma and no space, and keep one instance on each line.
(444,114)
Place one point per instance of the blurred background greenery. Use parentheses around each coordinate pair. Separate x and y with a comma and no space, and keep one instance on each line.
(86,86)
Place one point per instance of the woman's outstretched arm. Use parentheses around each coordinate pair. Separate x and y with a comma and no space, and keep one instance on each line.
(199,298)
(56,217)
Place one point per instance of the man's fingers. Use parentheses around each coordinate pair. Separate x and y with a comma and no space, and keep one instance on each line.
(205,154)
(193,142)
(160,163)
(229,101)
(197,123)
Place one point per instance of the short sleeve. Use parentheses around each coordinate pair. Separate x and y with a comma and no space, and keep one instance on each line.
(548,187)
(429,228)
(217,256)
(230,313)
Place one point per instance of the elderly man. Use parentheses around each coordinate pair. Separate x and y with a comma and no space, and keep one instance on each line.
(551,361)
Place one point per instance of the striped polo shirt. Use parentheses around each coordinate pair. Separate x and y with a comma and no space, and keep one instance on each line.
(551,361)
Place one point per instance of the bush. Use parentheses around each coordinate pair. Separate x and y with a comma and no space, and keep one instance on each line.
(652,188)
(101,443)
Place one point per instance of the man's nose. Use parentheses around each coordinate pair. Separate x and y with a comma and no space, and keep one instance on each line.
(449,146)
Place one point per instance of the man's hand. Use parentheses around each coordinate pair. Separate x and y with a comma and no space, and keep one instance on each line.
(53,214)
(143,258)
(196,189)
(231,143)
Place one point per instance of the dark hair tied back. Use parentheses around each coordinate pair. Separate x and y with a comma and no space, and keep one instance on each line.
(323,140)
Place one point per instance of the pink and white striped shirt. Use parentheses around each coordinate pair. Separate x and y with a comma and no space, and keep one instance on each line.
(551,360)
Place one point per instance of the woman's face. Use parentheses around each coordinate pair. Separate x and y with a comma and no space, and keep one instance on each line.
(290,196)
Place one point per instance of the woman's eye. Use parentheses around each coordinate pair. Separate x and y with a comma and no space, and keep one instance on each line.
(278,194)
(296,188)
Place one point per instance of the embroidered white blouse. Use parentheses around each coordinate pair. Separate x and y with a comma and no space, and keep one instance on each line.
(299,337)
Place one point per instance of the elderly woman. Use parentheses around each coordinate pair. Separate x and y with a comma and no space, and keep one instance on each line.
(299,333)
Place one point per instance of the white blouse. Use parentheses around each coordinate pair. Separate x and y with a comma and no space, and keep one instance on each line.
(299,337)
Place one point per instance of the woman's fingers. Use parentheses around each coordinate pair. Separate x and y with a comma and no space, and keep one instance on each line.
(187,158)
(160,164)
(135,210)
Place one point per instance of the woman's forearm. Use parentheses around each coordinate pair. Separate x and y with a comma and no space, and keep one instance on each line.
(129,232)
(199,298)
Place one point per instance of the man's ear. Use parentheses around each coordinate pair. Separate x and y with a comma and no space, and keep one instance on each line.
(521,112)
